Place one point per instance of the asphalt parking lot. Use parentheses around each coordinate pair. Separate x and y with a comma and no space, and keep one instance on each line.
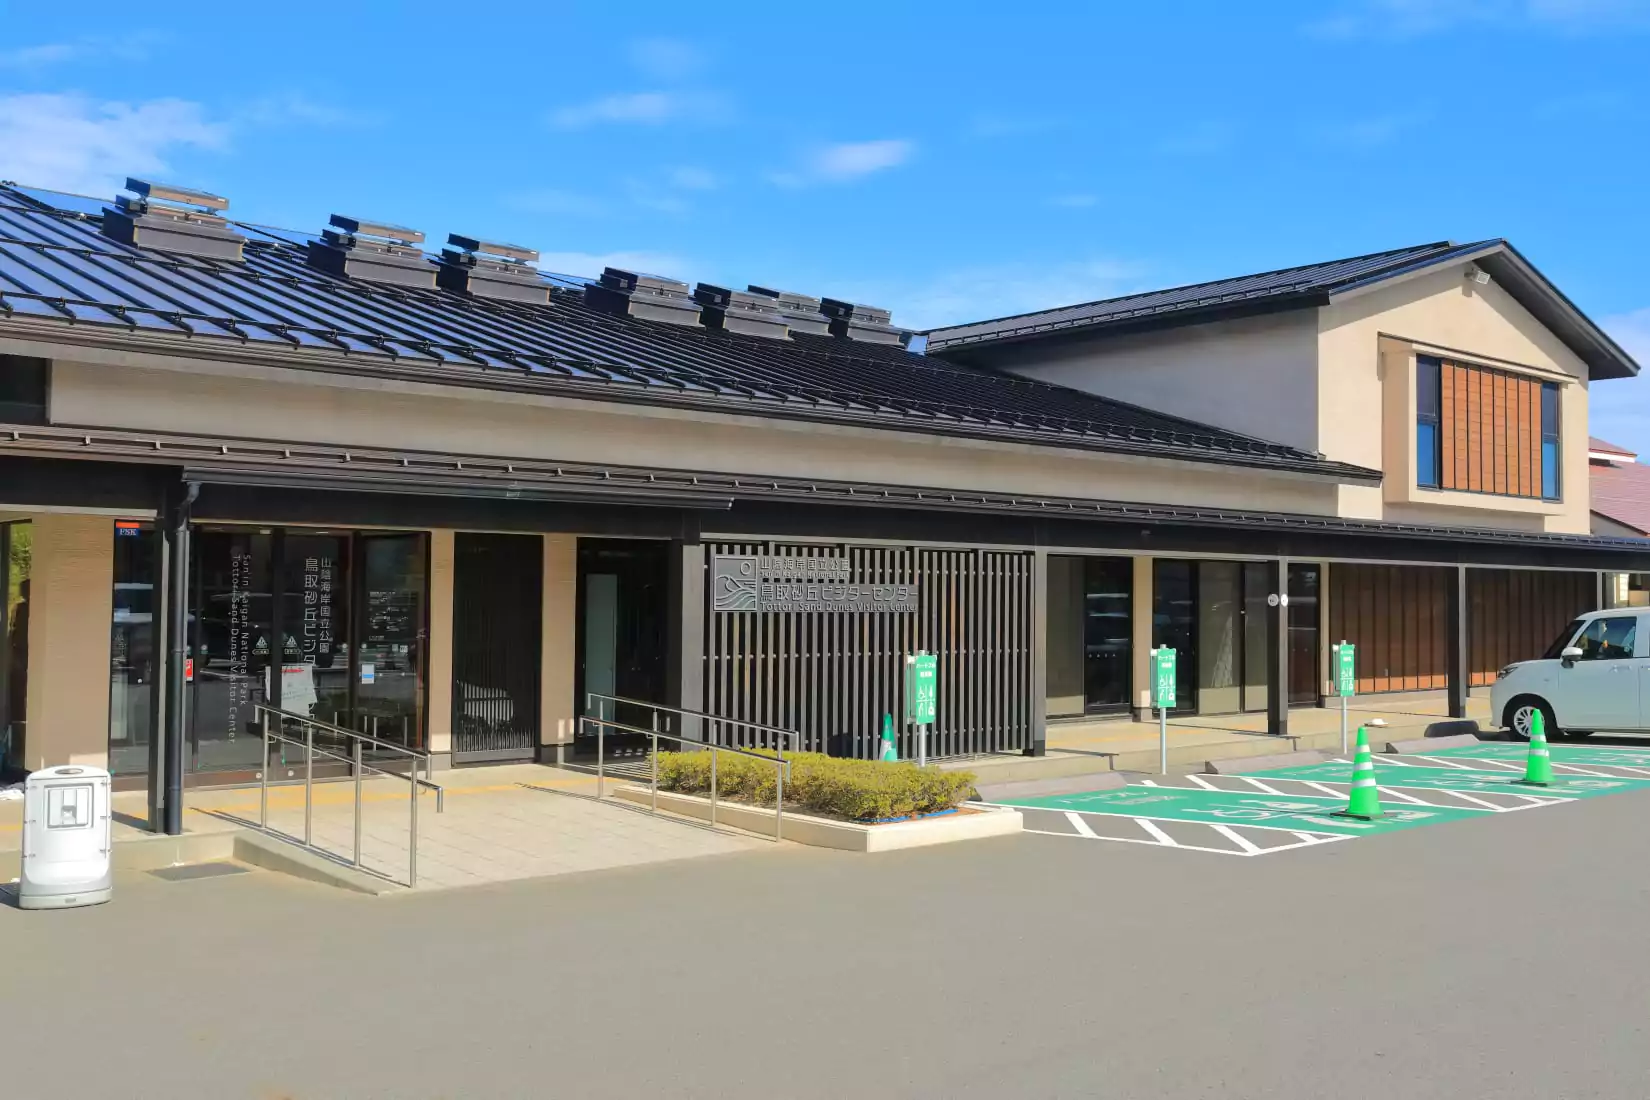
(1496,954)
(1272,811)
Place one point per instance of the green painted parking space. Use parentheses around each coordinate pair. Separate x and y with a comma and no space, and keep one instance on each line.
(1314,815)
(1459,779)
(1582,755)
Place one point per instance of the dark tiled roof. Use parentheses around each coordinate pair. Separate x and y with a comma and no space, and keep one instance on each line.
(1298,287)
(57,268)
(1621,492)
(1309,281)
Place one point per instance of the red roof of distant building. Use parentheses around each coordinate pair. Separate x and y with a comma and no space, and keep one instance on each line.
(1598,446)
(1620,489)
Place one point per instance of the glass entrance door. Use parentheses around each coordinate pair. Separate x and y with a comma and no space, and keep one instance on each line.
(16,560)
(388,676)
(1304,648)
(623,625)
(1108,634)
(1214,614)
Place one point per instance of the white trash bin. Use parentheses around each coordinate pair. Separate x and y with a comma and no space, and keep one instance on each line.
(65,838)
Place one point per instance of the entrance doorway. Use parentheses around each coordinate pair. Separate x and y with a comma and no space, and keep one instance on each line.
(624,627)
(498,638)
(16,563)
(327,624)
(1213,613)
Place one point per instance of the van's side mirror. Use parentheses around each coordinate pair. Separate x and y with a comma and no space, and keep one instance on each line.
(1571,655)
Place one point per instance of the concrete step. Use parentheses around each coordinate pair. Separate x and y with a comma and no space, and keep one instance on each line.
(145,852)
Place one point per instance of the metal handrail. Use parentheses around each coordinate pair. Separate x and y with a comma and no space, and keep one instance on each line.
(271,716)
(591,697)
(782,766)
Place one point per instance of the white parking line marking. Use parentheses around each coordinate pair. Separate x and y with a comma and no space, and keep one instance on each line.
(1259,785)
(1163,838)
(1239,839)
(1330,791)
(1202,782)
(1079,824)
(1465,797)
(1155,844)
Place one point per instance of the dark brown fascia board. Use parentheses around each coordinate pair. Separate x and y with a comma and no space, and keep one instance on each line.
(81,334)
(368,470)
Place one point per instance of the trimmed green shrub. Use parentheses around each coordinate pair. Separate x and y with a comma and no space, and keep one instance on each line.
(852,790)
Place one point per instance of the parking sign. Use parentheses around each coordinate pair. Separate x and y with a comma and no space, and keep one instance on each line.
(1163,678)
(922,688)
(1346,677)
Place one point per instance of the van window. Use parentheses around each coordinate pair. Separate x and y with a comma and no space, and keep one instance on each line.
(1609,639)
(1562,642)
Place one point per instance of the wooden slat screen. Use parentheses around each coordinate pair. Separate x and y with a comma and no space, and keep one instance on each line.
(1398,617)
(825,674)
(1489,431)
(1395,615)
(1514,614)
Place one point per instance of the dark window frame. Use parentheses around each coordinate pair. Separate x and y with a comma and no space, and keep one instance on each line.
(1429,383)
(1552,433)
(25,388)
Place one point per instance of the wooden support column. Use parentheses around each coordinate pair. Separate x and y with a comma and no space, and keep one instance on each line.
(1457,626)
(685,672)
(1277,650)
(1039,654)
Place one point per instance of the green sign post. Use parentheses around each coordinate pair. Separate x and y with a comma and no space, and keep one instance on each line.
(1346,680)
(1163,698)
(922,692)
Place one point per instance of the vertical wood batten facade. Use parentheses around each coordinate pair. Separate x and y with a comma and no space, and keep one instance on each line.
(832,676)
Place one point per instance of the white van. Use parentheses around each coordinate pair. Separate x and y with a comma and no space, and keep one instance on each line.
(1594,677)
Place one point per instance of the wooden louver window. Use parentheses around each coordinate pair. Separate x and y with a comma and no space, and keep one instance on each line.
(1488,427)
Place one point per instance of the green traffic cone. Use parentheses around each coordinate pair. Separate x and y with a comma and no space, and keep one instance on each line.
(1365,802)
(890,751)
(1538,771)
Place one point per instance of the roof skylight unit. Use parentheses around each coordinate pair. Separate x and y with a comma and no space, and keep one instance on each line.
(800,312)
(649,297)
(172,219)
(740,311)
(491,269)
(862,322)
(373,252)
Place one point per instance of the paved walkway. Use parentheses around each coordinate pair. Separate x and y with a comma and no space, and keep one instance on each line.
(1405,716)
(501,823)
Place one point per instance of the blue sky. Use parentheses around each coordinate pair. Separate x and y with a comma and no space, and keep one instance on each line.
(994,161)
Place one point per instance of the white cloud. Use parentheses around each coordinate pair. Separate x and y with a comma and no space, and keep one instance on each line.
(590,264)
(130,47)
(642,108)
(296,108)
(690,178)
(1203,139)
(667,58)
(1372,133)
(1401,19)
(549,200)
(75,143)
(844,162)
(976,293)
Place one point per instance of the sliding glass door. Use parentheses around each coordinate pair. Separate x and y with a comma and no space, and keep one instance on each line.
(1214,614)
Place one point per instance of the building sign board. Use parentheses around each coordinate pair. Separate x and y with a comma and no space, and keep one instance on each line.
(778,582)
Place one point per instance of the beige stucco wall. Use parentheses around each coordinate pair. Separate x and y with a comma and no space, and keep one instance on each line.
(268,403)
(1257,375)
(1065,636)
(71,595)
(557,707)
(1367,342)
(1141,651)
(440,670)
